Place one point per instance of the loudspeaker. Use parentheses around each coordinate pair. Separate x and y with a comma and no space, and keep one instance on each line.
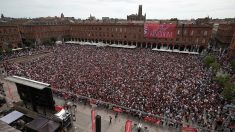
(98,123)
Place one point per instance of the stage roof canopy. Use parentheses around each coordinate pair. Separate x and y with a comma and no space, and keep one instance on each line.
(27,82)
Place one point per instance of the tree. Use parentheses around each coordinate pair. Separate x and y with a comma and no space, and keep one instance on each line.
(53,39)
(223,79)
(209,59)
(2,16)
(215,66)
(49,41)
(28,42)
(228,91)
(233,64)
(9,50)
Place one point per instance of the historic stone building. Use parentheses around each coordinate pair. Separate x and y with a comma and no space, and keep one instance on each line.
(9,37)
(42,32)
(187,36)
(232,46)
(191,36)
(137,17)
(224,35)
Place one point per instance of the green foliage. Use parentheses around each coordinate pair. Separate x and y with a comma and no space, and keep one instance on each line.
(209,59)
(215,66)
(49,41)
(8,50)
(229,88)
(228,91)
(223,79)
(233,64)
(53,39)
(29,42)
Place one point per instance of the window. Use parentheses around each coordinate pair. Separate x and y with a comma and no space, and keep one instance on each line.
(178,32)
(192,33)
(196,41)
(203,41)
(205,33)
(134,36)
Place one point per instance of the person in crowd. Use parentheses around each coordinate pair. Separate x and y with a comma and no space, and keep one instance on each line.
(173,85)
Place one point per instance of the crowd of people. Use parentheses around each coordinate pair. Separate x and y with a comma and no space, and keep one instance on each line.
(176,86)
(24,52)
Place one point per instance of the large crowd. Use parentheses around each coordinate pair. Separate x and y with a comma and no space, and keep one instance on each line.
(24,52)
(173,85)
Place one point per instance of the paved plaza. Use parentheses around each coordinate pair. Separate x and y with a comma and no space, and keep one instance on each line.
(83,120)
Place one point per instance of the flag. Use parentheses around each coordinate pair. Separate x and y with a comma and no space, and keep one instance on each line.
(93,120)
(128,126)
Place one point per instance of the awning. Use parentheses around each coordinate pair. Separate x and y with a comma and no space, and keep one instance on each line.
(11,117)
(27,82)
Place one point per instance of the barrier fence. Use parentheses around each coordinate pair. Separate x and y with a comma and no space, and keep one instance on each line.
(160,121)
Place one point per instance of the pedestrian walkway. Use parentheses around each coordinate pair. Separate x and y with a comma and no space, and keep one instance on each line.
(83,120)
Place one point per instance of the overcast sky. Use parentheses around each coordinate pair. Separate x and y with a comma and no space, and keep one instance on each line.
(154,9)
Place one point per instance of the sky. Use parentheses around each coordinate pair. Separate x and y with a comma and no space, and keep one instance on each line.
(154,9)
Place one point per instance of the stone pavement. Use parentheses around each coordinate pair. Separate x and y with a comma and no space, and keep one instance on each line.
(83,120)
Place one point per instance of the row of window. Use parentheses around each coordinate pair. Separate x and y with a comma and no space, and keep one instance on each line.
(196,40)
(192,32)
(113,29)
(9,38)
(9,30)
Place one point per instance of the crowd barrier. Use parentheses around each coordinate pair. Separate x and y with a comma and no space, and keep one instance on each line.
(157,120)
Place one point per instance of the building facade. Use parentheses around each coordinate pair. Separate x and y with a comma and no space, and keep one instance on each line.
(10,37)
(190,36)
(187,36)
(42,32)
(137,17)
(224,35)
(232,46)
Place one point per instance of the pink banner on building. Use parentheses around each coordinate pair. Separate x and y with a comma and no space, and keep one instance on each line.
(93,120)
(128,126)
(154,30)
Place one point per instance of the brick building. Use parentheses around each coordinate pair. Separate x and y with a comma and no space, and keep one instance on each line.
(42,32)
(188,36)
(224,35)
(9,37)
(232,46)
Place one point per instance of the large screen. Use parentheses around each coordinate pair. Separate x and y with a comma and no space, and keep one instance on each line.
(154,30)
